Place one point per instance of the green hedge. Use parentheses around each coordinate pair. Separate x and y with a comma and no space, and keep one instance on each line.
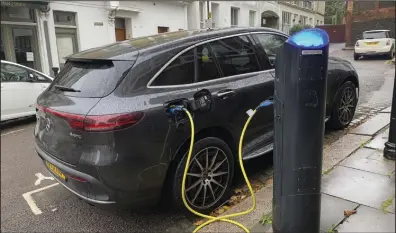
(297,28)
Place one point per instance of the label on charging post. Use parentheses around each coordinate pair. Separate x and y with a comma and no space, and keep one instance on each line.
(312,52)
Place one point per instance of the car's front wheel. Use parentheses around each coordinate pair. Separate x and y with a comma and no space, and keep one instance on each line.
(344,106)
(355,57)
(209,177)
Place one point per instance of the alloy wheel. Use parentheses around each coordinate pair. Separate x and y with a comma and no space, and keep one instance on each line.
(207,177)
(347,106)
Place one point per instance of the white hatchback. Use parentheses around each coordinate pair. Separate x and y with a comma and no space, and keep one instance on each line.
(375,42)
(20,87)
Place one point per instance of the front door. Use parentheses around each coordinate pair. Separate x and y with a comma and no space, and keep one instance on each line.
(66,42)
(19,45)
(120,32)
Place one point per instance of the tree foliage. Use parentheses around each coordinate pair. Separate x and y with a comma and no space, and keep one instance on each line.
(335,9)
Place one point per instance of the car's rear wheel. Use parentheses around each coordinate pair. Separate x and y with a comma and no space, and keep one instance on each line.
(344,106)
(209,177)
(391,54)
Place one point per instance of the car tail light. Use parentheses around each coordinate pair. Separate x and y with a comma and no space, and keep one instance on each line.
(98,123)
(388,42)
(357,43)
(111,122)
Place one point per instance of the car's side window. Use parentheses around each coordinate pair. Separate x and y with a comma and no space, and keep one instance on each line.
(12,73)
(40,78)
(180,71)
(235,55)
(206,65)
(271,43)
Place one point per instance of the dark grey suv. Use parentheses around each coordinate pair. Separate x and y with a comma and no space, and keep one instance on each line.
(103,132)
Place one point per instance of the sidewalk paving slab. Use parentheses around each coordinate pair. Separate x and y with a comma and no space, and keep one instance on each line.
(371,161)
(368,219)
(358,186)
(373,125)
(386,110)
(340,149)
(332,211)
(378,142)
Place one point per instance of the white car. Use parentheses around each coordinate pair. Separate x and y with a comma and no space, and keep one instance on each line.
(20,87)
(375,42)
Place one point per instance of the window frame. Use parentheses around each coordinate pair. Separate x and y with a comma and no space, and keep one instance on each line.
(248,34)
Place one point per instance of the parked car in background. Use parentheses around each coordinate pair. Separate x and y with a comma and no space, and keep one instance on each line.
(20,87)
(103,133)
(375,43)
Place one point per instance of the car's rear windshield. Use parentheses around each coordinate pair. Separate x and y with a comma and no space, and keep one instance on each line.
(91,78)
(374,35)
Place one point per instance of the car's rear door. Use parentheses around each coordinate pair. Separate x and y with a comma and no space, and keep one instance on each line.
(268,44)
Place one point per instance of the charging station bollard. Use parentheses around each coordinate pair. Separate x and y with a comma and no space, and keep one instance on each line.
(299,109)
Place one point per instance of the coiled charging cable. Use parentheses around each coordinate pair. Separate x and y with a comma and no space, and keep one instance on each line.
(224,218)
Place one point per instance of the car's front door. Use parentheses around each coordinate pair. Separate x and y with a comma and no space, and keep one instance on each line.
(18,94)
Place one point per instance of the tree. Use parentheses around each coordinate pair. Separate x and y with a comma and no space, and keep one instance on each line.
(336,9)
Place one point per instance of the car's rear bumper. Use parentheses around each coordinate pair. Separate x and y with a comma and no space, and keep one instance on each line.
(367,51)
(93,191)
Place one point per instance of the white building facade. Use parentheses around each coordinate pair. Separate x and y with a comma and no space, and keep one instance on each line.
(41,34)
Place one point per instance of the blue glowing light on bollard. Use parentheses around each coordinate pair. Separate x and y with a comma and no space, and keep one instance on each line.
(313,38)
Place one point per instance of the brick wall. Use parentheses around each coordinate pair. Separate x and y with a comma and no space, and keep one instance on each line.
(372,15)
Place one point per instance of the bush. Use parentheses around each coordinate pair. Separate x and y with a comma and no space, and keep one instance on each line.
(297,28)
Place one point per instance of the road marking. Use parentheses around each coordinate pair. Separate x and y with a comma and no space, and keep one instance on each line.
(41,177)
(11,132)
(31,202)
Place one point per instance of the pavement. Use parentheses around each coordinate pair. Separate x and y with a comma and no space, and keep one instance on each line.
(33,202)
(356,177)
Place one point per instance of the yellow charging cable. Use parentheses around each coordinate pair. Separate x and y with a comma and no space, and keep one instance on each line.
(225,217)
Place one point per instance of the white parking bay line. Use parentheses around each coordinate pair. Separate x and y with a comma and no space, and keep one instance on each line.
(31,202)
(11,132)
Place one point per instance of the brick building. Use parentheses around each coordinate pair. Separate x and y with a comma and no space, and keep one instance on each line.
(372,15)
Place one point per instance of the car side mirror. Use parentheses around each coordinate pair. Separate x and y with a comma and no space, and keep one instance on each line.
(32,77)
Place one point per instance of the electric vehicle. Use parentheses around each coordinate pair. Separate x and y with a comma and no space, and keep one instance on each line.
(375,43)
(103,133)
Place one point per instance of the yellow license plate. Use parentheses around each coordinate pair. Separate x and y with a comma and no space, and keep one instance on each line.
(55,170)
(371,43)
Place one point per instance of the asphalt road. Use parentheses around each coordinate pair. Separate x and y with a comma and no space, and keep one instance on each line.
(59,210)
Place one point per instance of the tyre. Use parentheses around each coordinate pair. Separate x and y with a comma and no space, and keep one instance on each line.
(209,178)
(355,57)
(344,106)
(391,54)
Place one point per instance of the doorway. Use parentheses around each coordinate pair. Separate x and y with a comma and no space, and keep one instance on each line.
(19,45)
(120,31)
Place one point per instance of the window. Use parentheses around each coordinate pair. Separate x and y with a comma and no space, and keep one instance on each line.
(41,78)
(207,68)
(286,21)
(12,73)
(271,44)
(252,18)
(234,16)
(17,14)
(64,18)
(303,20)
(317,22)
(163,29)
(235,55)
(180,71)
(374,35)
